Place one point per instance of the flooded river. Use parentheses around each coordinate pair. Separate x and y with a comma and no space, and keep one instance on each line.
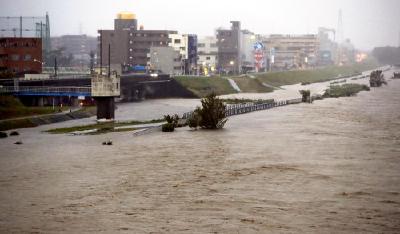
(328,167)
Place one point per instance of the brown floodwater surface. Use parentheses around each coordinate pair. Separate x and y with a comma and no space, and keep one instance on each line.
(328,167)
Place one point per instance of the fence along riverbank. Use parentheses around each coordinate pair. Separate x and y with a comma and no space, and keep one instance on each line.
(237,109)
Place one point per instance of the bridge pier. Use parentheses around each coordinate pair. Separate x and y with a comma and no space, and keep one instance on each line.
(104,89)
(105,107)
(40,101)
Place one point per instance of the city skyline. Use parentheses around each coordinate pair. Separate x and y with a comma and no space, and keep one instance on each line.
(375,24)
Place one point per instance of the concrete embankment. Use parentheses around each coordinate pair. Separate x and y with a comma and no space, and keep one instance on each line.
(34,121)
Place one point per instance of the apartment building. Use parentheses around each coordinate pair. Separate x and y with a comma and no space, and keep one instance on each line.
(130,45)
(292,51)
(21,55)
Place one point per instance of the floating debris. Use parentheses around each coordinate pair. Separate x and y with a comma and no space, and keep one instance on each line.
(108,142)
(14,133)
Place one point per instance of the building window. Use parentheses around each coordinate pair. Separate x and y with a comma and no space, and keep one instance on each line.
(208,58)
(201,45)
(27,57)
(15,57)
(177,41)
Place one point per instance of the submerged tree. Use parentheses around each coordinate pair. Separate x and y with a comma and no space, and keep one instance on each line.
(305,95)
(212,114)
(376,79)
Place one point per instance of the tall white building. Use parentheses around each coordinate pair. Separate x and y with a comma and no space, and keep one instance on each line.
(180,43)
(207,53)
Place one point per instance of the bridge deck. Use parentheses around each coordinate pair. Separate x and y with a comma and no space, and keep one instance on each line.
(46,91)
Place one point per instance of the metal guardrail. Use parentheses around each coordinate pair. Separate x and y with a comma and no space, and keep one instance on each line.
(45,90)
(237,109)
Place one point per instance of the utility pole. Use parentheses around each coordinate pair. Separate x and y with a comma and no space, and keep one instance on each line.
(109,60)
(101,52)
(55,66)
(20,26)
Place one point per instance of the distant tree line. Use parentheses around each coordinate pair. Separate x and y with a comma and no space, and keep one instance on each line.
(387,55)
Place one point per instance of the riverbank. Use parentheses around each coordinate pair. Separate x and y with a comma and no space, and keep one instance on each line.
(264,82)
(11,108)
(328,167)
(34,121)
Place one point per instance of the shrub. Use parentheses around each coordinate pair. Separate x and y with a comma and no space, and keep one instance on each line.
(305,95)
(172,122)
(172,119)
(212,114)
(194,119)
(168,127)
(345,90)
(376,79)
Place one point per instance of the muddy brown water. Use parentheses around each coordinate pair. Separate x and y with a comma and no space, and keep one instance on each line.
(328,167)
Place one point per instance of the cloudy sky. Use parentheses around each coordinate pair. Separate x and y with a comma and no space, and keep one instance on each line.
(367,23)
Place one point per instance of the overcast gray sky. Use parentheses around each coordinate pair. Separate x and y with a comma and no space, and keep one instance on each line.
(367,23)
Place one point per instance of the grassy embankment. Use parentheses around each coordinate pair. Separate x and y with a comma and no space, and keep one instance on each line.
(11,107)
(101,128)
(201,86)
(29,121)
(312,76)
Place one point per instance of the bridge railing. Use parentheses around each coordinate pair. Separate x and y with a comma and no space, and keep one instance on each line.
(237,109)
(44,89)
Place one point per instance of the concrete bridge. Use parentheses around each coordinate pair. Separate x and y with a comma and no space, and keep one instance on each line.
(52,91)
(66,89)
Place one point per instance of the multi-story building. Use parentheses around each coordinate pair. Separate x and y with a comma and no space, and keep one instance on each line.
(79,46)
(21,55)
(327,51)
(207,53)
(186,45)
(292,51)
(166,59)
(130,45)
(229,49)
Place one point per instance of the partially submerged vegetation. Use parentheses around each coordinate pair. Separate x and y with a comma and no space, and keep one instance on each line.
(344,90)
(305,95)
(376,79)
(211,114)
(171,123)
(100,128)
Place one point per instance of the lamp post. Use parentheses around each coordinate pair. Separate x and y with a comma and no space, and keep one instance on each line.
(232,63)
